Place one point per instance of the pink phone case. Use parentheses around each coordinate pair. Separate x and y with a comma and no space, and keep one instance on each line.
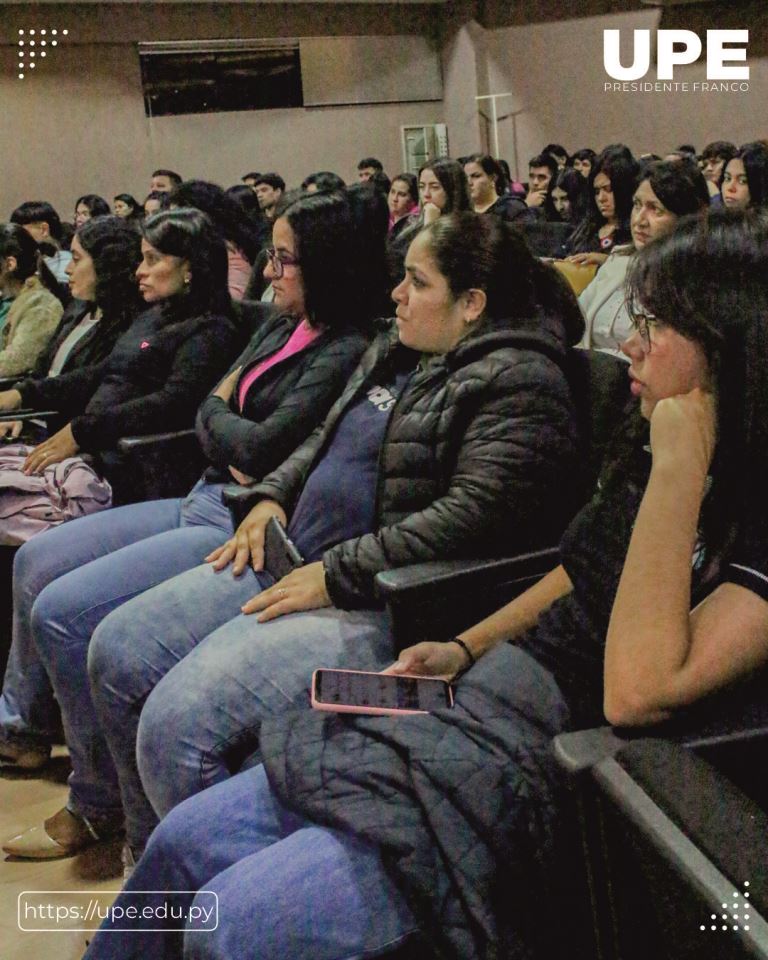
(374,711)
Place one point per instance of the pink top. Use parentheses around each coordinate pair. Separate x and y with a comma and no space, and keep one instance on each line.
(301,338)
(239,272)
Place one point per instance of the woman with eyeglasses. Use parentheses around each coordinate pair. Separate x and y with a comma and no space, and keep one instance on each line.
(358,833)
(278,391)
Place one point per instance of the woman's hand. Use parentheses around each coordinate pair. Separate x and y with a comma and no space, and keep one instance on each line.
(11,429)
(684,431)
(226,388)
(248,541)
(302,589)
(9,400)
(55,449)
(583,259)
(430,212)
(430,659)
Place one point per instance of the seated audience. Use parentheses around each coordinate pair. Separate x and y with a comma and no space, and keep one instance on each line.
(541,169)
(240,233)
(368,167)
(745,178)
(403,201)
(89,206)
(462,428)
(582,161)
(269,188)
(487,190)
(324,180)
(128,208)
(442,189)
(29,311)
(160,368)
(105,254)
(611,183)
(154,202)
(666,192)
(559,153)
(278,391)
(163,181)
(360,832)
(567,198)
(40,220)
(712,160)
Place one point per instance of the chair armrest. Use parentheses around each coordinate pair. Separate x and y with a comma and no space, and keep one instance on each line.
(140,444)
(703,825)
(7,383)
(437,600)
(27,415)
(583,749)
(435,578)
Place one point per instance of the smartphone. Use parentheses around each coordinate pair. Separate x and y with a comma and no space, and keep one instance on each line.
(360,691)
(280,553)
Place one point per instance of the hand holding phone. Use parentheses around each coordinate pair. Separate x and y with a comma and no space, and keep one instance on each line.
(361,691)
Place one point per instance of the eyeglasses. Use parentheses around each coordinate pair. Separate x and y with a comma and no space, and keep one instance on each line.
(280,260)
(643,323)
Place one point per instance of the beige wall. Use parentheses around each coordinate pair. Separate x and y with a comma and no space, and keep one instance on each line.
(555,74)
(79,123)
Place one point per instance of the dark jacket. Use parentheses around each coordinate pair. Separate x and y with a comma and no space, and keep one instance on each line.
(511,209)
(153,380)
(472,460)
(92,348)
(289,401)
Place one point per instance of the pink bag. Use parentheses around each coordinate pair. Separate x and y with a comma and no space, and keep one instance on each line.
(31,504)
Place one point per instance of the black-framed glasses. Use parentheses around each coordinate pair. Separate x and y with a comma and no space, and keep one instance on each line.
(279,260)
(643,323)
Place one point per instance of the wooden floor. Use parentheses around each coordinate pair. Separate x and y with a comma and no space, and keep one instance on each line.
(26,800)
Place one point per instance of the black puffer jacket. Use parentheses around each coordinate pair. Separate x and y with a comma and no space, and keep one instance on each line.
(472,460)
(291,400)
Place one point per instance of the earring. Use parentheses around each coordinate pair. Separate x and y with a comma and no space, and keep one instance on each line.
(187,279)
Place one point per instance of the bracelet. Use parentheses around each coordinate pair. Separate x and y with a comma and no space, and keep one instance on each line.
(465,648)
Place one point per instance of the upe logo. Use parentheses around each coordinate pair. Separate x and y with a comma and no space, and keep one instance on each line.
(675,48)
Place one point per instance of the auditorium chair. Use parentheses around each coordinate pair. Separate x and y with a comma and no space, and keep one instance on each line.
(673,826)
(544,239)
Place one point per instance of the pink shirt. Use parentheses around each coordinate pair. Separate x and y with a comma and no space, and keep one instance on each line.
(301,338)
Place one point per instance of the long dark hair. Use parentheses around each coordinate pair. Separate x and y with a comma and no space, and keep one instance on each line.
(474,251)
(453,180)
(97,206)
(115,248)
(577,190)
(621,168)
(329,255)
(679,184)
(16,242)
(754,156)
(226,214)
(706,280)
(189,234)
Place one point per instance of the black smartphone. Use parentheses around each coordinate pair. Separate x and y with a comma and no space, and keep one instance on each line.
(280,553)
(360,691)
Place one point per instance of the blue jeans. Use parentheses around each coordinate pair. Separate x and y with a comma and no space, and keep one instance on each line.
(181,680)
(65,582)
(287,889)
